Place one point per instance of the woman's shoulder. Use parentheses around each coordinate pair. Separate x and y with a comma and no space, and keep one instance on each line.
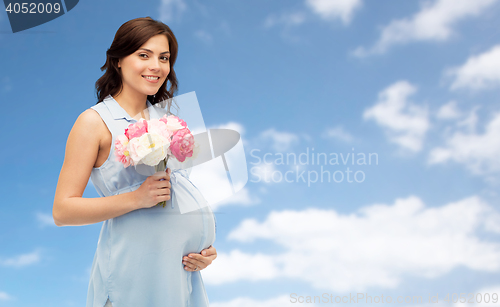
(89,117)
(90,121)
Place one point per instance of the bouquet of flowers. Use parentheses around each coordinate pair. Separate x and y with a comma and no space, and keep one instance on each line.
(153,142)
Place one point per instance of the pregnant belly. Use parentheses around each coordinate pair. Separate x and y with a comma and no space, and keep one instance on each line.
(162,230)
(148,244)
(146,247)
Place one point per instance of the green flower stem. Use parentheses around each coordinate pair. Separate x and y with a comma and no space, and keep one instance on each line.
(162,166)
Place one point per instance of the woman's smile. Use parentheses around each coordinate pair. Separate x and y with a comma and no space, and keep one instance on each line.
(152,79)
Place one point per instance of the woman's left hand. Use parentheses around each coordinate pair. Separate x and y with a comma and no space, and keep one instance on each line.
(196,262)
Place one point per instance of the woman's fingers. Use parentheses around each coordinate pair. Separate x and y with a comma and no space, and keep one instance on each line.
(209,252)
(191,267)
(193,260)
(163,182)
(192,263)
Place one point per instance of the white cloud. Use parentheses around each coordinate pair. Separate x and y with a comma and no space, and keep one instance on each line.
(45,219)
(338,133)
(479,152)
(434,22)
(327,10)
(170,10)
(479,72)
(263,172)
(281,141)
(280,301)
(21,260)
(405,123)
(4,296)
(242,197)
(374,247)
(229,268)
(449,111)
(332,10)
(204,36)
(470,122)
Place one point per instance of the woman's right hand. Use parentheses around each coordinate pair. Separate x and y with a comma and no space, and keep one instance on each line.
(153,190)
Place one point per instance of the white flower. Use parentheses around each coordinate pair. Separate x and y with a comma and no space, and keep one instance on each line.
(149,149)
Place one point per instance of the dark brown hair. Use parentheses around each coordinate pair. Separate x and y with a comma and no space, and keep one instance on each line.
(128,39)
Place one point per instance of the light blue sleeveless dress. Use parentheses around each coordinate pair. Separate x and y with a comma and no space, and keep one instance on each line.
(138,261)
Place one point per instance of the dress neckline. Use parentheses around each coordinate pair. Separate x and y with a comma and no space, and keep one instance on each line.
(118,112)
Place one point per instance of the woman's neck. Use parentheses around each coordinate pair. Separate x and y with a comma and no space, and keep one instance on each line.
(133,103)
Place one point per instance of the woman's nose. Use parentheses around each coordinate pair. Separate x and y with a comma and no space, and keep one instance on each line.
(154,66)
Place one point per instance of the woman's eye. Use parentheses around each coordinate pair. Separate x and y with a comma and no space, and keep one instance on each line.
(165,58)
(143,55)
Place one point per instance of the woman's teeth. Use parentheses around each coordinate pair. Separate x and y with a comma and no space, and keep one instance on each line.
(151,78)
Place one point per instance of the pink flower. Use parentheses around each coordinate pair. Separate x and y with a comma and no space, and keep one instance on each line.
(182,144)
(163,118)
(149,141)
(181,121)
(159,127)
(173,122)
(121,152)
(136,129)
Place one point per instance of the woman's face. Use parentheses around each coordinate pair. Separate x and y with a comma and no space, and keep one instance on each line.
(144,71)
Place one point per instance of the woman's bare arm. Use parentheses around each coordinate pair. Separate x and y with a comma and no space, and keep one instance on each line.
(82,148)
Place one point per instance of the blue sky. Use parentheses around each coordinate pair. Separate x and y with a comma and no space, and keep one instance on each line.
(414,82)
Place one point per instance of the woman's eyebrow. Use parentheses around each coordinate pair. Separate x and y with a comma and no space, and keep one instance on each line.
(153,52)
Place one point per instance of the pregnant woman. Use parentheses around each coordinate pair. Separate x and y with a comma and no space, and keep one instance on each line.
(146,255)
